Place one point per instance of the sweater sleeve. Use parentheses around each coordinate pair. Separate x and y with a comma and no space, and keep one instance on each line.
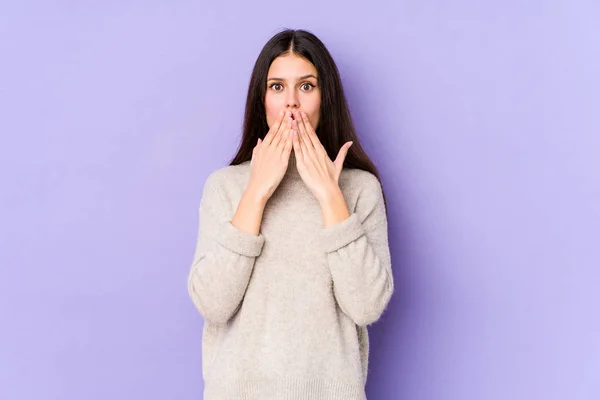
(223,260)
(358,255)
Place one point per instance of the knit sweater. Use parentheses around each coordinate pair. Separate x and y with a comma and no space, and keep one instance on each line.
(286,311)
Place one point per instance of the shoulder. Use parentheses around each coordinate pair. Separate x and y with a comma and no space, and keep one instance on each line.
(227,182)
(228,176)
(360,182)
(364,193)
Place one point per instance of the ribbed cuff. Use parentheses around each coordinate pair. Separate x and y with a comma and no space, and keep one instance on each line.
(336,236)
(238,241)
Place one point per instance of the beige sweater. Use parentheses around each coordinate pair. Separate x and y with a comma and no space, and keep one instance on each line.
(285,312)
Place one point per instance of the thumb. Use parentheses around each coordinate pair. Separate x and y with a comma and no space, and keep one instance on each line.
(339,160)
(258,142)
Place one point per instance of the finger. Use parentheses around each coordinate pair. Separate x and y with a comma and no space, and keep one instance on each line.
(305,143)
(257,147)
(310,132)
(283,128)
(281,123)
(289,143)
(302,145)
(282,132)
(284,137)
(274,128)
(297,147)
(339,160)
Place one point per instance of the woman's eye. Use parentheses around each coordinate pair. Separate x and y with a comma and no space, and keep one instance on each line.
(278,86)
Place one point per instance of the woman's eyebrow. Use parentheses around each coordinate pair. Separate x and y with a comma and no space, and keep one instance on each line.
(301,78)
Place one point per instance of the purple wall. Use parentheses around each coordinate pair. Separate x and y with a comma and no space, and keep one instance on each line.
(484,121)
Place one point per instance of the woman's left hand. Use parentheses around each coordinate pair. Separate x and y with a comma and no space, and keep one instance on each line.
(316,169)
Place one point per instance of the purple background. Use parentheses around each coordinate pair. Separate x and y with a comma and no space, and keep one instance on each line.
(483,118)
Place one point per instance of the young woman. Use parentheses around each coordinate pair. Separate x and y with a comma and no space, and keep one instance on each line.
(292,260)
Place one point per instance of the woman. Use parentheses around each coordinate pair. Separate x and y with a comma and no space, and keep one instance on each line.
(292,260)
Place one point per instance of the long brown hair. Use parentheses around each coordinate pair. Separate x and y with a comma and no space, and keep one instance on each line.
(335,125)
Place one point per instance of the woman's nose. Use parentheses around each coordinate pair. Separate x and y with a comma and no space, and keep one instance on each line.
(291,101)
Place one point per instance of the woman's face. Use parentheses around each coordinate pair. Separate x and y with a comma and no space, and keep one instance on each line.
(292,85)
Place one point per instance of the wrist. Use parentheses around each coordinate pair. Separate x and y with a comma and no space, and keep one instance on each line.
(331,195)
(334,208)
(255,195)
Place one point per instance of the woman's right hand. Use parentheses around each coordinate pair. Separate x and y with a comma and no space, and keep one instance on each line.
(270,157)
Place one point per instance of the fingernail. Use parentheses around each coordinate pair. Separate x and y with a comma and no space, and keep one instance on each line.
(304,115)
